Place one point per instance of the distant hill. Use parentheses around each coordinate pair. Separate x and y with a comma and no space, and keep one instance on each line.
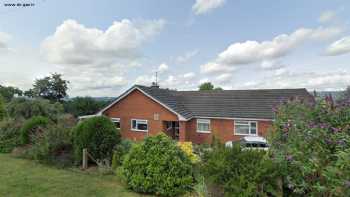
(104,98)
(334,94)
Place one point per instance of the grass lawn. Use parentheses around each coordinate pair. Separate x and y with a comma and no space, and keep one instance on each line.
(19,177)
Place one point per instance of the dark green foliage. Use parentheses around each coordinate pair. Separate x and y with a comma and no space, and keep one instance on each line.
(2,109)
(21,108)
(311,143)
(9,134)
(98,135)
(345,96)
(8,92)
(29,93)
(54,146)
(241,172)
(158,166)
(119,153)
(53,87)
(83,106)
(208,86)
(32,128)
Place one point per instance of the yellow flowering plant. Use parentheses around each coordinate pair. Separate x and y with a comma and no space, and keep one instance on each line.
(187,148)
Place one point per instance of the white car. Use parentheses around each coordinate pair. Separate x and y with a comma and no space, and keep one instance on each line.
(251,142)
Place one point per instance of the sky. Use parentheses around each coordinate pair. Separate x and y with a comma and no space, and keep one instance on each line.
(104,47)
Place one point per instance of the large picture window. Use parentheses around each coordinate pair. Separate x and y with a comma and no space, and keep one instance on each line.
(246,128)
(203,126)
(139,125)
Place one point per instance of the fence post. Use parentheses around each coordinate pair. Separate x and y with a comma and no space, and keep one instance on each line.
(85,159)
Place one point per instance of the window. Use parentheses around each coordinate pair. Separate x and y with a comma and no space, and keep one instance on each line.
(246,128)
(139,125)
(116,122)
(203,126)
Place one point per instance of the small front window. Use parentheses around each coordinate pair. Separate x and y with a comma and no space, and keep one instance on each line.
(116,122)
(246,128)
(139,125)
(203,126)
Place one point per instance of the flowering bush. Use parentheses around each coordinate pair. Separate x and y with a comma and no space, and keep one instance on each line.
(312,143)
(187,148)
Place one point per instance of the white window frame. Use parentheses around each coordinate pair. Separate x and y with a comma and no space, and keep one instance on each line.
(249,124)
(203,121)
(137,123)
(116,120)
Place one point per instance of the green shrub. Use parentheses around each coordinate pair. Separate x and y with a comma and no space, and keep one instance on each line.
(310,142)
(119,153)
(98,135)
(54,147)
(32,127)
(21,108)
(241,172)
(2,108)
(158,166)
(9,134)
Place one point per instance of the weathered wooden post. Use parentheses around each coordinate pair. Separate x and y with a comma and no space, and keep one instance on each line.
(85,159)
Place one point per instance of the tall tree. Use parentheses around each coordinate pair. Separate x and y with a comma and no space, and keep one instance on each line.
(218,88)
(208,86)
(29,93)
(8,92)
(53,87)
(345,96)
(2,108)
(79,106)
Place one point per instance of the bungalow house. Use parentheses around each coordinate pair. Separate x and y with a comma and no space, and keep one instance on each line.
(196,115)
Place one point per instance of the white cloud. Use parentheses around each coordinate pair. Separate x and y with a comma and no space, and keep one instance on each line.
(185,81)
(223,78)
(334,80)
(327,16)
(73,43)
(339,47)
(144,80)
(4,39)
(187,56)
(162,68)
(253,51)
(189,75)
(248,52)
(205,6)
(213,68)
(271,65)
(98,60)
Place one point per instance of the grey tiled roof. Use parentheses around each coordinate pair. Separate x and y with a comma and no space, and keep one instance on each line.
(255,104)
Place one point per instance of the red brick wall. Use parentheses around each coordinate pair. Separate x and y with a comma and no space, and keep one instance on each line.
(138,106)
(222,129)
